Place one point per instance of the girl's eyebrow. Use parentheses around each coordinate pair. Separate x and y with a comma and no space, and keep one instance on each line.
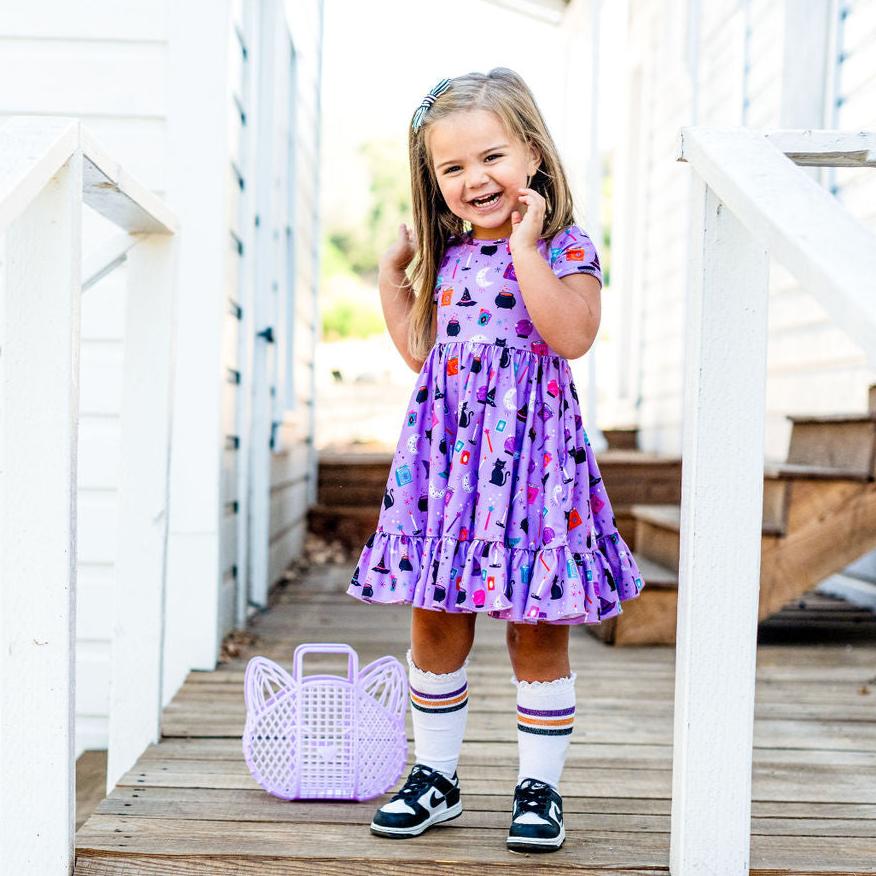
(491,149)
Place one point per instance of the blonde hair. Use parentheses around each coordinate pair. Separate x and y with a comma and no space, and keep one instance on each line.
(503,92)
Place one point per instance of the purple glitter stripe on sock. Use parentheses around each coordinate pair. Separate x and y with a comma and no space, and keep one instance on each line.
(547,713)
(439,696)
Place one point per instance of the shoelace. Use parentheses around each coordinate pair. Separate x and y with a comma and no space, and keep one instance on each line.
(417,782)
(533,796)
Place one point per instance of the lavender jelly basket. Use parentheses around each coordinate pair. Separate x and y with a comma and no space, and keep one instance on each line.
(325,736)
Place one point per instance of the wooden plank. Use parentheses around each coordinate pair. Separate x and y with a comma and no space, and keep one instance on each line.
(234,865)
(90,784)
(252,804)
(455,842)
(581,753)
(190,798)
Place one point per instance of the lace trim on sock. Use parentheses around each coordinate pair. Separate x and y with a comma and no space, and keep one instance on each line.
(545,686)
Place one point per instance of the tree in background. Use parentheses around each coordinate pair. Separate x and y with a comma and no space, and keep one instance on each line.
(352,249)
(361,243)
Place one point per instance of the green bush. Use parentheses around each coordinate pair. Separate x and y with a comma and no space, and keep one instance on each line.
(347,318)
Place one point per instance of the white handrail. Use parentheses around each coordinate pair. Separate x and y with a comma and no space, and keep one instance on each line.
(803,226)
(750,201)
(49,166)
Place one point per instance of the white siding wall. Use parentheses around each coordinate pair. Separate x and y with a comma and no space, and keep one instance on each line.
(109,62)
(269,464)
(297,233)
(812,366)
(102,62)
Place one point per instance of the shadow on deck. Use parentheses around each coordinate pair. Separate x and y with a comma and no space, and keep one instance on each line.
(190,806)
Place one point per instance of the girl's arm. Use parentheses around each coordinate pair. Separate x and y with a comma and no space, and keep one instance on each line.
(568,322)
(397,299)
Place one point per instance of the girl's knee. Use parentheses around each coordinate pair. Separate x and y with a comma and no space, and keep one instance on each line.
(538,652)
(523,637)
(440,642)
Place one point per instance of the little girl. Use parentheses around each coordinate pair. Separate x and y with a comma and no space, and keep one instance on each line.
(494,503)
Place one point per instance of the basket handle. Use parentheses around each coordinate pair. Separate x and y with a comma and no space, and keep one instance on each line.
(326,648)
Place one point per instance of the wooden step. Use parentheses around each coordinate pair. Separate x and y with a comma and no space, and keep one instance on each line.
(349,479)
(818,615)
(351,525)
(829,522)
(622,438)
(778,481)
(644,621)
(846,441)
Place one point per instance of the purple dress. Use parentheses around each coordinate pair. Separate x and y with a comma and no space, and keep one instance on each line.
(494,502)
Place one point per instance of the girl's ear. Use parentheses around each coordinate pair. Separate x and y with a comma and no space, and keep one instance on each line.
(535,160)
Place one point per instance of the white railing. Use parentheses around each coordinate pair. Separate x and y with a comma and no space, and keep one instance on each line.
(750,201)
(48,168)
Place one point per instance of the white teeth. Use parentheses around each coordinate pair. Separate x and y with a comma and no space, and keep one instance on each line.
(489,198)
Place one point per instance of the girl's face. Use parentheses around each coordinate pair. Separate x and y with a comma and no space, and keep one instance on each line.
(473,156)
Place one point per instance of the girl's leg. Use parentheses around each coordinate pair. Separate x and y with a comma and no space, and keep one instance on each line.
(545,698)
(440,644)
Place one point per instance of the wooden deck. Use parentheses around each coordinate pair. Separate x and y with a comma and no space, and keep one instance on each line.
(190,806)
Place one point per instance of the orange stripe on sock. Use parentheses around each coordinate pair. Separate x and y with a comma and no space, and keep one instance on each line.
(546,722)
(434,704)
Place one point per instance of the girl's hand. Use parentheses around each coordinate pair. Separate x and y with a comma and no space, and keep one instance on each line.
(400,254)
(526,226)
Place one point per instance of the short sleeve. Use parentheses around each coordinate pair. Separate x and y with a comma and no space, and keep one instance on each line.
(573,252)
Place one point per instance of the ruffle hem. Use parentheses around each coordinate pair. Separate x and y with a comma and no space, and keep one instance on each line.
(549,584)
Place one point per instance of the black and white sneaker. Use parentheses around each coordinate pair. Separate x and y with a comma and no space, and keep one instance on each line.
(537,818)
(427,797)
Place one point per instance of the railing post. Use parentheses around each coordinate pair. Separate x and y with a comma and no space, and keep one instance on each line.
(138,633)
(40,273)
(719,564)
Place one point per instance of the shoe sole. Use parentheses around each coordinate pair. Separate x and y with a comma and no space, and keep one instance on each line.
(534,844)
(407,832)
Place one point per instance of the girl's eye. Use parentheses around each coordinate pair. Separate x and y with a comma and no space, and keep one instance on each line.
(456,167)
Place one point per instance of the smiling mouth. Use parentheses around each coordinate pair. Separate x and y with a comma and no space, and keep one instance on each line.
(486,200)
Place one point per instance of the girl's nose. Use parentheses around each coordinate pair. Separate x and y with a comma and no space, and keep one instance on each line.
(475,179)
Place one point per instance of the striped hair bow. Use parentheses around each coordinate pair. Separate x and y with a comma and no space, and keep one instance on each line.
(428,100)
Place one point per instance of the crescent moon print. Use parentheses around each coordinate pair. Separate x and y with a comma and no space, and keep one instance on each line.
(504,510)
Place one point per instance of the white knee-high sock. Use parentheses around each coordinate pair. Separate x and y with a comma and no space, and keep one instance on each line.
(545,719)
(439,712)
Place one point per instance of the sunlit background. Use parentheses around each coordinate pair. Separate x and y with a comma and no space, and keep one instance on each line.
(374,78)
